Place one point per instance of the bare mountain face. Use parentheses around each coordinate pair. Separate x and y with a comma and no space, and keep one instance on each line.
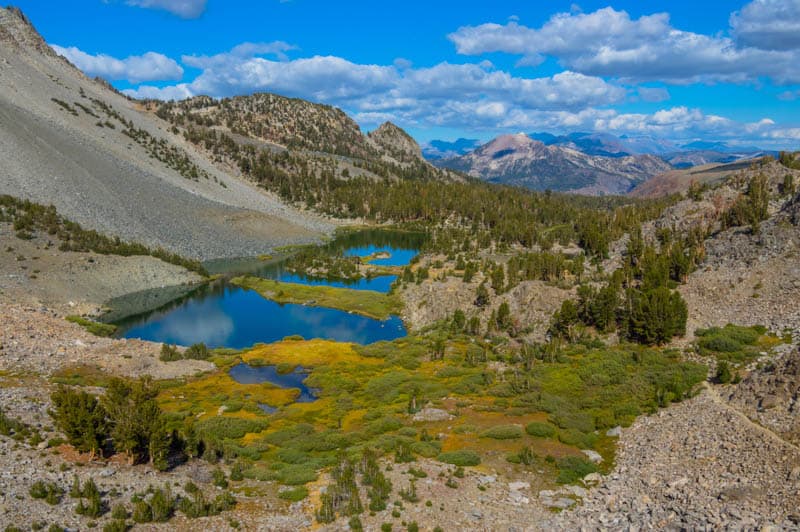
(522,161)
(108,164)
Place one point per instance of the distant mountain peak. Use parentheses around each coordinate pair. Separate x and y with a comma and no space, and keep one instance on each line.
(518,159)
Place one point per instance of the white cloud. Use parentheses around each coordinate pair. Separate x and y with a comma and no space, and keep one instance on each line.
(380,88)
(608,42)
(148,92)
(768,24)
(242,51)
(182,8)
(150,66)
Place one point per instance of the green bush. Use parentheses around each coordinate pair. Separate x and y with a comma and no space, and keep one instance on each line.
(720,343)
(582,421)
(503,432)
(222,427)
(723,375)
(460,458)
(293,475)
(294,495)
(573,468)
(117,525)
(540,430)
(577,438)
(197,352)
(426,449)
(49,491)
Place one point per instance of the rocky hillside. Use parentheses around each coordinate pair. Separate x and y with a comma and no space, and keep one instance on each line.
(288,122)
(109,165)
(266,136)
(522,161)
(396,143)
(679,180)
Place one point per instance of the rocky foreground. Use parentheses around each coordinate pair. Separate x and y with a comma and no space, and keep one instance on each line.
(700,464)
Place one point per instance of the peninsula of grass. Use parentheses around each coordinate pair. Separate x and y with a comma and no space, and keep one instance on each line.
(364,302)
(94,327)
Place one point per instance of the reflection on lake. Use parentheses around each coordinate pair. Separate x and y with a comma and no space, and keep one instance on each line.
(229,316)
(222,315)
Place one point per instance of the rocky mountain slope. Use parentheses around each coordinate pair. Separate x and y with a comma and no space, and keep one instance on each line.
(522,161)
(396,144)
(679,180)
(107,164)
(294,137)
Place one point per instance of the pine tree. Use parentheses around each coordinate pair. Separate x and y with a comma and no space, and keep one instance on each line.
(81,418)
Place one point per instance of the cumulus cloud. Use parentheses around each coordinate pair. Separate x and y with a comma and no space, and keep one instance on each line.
(242,51)
(150,66)
(768,24)
(608,42)
(476,97)
(182,8)
(380,88)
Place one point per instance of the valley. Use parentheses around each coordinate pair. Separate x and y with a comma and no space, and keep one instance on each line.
(244,313)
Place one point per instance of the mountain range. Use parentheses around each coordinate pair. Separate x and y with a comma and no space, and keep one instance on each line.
(584,163)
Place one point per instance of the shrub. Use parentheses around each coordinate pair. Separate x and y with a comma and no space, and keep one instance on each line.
(294,495)
(503,432)
(170,353)
(293,475)
(573,468)
(426,449)
(197,352)
(540,430)
(219,478)
(49,491)
(577,438)
(582,421)
(142,513)
(460,458)
(723,375)
(222,427)
(117,525)
(119,512)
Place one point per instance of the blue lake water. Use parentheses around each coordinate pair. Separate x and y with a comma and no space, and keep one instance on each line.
(246,374)
(230,316)
(223,315)
(397,256)
(379,284)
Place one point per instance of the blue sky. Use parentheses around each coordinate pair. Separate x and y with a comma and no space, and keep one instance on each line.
(724,71)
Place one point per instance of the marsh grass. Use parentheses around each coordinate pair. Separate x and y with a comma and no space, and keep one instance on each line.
(366,395)
(94,327)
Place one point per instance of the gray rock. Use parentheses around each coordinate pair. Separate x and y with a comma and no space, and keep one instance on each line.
(432,414)
(594,456)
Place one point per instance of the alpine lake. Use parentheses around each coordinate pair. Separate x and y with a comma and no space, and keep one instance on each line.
(223,314)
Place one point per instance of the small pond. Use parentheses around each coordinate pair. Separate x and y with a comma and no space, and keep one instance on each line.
(246,374)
